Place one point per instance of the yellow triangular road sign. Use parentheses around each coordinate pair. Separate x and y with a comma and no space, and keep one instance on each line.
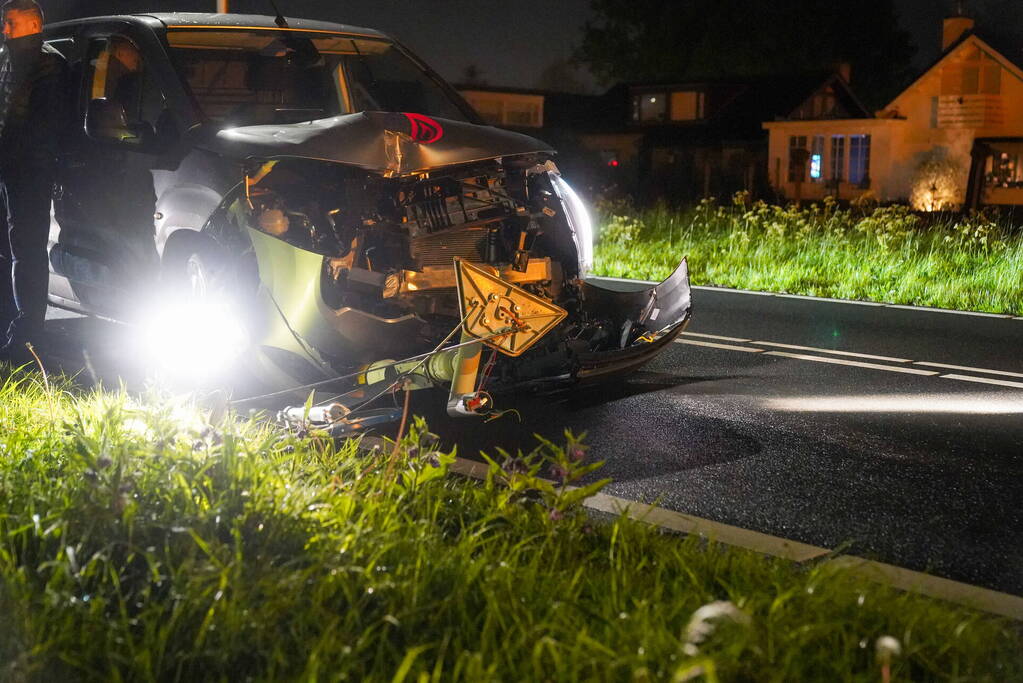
(501,315)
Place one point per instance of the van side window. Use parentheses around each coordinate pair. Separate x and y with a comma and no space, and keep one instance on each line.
(116,72)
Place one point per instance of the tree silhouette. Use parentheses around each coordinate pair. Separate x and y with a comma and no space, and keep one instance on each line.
(562,75)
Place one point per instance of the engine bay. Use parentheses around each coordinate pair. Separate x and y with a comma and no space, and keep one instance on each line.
(389,248)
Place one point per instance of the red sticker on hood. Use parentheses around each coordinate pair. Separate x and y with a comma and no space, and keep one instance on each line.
(424,129)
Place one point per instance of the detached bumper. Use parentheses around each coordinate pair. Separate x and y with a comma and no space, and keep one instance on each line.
(659,314)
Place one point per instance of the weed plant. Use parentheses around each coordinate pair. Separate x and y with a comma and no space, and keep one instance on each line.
(141,541)
(866,252)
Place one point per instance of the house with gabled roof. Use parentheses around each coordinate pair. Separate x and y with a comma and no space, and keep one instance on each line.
(706,139)
(918,147)
(677,140)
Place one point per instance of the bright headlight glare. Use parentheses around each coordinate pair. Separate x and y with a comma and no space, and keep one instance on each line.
(192,340)
(578,220)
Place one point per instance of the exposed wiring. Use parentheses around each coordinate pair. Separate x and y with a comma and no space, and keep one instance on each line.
(498,414)
(409,373)
(357,373)
(422,359)
(487,369)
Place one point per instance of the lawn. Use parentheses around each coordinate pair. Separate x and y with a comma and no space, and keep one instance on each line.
(141,540)
(866,252)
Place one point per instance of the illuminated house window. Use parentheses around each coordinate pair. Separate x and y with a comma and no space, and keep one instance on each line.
(686,105)
(859,158)
(837,157)
(797,158)
(1004,170)
(817,159)
(650,107)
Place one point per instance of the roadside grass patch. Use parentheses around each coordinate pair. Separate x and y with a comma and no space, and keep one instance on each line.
(865,252)
(140,541)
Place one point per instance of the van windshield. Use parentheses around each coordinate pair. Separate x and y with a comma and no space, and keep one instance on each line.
(264,76)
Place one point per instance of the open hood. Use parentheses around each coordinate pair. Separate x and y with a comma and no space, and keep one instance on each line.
(393,144)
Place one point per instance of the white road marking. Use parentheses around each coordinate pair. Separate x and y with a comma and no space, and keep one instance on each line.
(834,352)
(731,290)
(985,380)
(716,336)
(969,369)
(854,363)
(727,347)
(807,297)
(948,310)
(851,354)
(973,597)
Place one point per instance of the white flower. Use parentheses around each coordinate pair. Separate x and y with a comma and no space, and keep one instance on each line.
(705,620)
(888,647)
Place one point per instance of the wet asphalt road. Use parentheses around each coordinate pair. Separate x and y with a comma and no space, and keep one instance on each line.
(924,472)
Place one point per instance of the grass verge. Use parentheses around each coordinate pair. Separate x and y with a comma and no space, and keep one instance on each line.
(883,254)
(138,541)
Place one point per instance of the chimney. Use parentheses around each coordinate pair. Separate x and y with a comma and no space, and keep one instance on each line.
(955,26)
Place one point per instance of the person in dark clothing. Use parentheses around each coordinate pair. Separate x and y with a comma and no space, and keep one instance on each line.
(32,82)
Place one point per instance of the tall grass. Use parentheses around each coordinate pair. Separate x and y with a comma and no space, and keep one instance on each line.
(141,541)
(867,252)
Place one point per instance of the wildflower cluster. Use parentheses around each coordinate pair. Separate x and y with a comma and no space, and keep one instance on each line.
(521,479)
(864,250)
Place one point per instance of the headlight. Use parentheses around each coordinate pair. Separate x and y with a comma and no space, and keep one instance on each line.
(578,220)
(192,340)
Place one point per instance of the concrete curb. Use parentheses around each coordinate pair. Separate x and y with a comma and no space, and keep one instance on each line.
(973,597)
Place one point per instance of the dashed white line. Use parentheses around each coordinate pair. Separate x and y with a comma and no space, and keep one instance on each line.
(985,380)
(834,352)
(854,363)
(984,371)
(727,347)
(978,314)
(716,336)
(851,354)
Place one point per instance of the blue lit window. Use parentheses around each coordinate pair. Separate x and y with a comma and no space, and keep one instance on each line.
(815,166)
(817,159)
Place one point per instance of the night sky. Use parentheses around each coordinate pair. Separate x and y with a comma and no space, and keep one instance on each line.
(510,41)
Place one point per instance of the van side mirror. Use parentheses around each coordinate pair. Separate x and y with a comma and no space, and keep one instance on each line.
(105,121)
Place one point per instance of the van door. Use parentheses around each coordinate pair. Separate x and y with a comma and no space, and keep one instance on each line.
(106,246)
